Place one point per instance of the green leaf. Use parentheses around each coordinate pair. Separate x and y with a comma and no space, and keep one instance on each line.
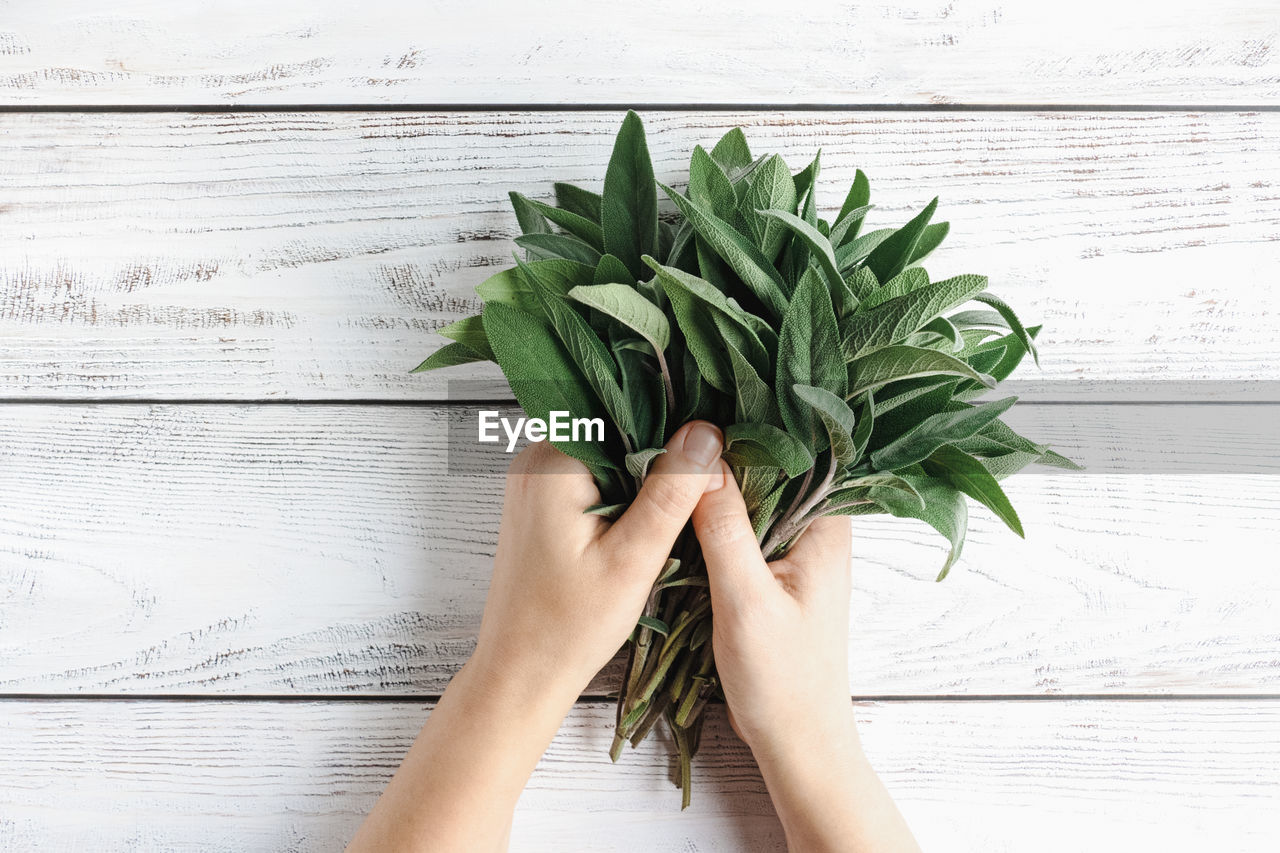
(856,251)
(859,488)
(929,240)
(654,624)
(585,203)
(738,252)
(772,188)
(944,332)
(579,226)
(944,510)
(751,445)
(610,270)
(1008,464)
(587,351)
(610,511)
(732,151)
(866,424)
(764,511)
(836,416)
(934,431)
(898,362)
(1056,460)
(900,285)
(543,377)
(547,246)
(628,307)
(529,217)
(1008,315)
(969,476)
(709,186)
(818,245)
(449,355)
(892,256)
(808,354)
(729,321)
(893,321)
(859,198)
(469,331)
(753,400)
(629,206)
(847,225)
(508,287)
(638,462)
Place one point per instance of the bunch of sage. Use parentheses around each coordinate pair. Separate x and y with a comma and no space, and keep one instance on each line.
(845,380)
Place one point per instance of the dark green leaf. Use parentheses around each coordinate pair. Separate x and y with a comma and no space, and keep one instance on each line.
(892,256)
(469,331)
(751,445)
(944,510)
(543,377)
(529,217)
(585,203)
(896,363)
(893,321)
(737,251)
(508,287)
(709,186)
(654,624)
(841,296)
(855,251)
(629,206)
(753,400)
(546,246)
(449,355)
(859,197)
(969,476)
(579,226)
(929,240)
(771,188)
(732,151)
(900,285)
(1008,315)
(836,416)
(936,430)
(808,354)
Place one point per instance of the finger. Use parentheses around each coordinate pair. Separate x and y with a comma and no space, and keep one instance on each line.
(735,567)
(647,530)
(824,551)
(548,480)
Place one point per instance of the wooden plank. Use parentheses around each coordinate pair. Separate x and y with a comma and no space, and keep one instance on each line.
(319,550)
(312,255)
(572,51)
(969,776)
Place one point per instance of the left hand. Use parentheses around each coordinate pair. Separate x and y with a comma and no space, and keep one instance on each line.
(568,587)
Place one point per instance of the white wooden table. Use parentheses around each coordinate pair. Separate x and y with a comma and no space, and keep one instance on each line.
(234,573)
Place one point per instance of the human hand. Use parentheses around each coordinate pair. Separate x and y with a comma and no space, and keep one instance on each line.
(780,634)
(568,587)
(780,631)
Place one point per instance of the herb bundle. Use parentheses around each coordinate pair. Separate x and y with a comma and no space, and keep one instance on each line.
(845,380)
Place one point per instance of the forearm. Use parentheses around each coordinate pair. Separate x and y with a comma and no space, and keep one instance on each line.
(458,786)
(828,797)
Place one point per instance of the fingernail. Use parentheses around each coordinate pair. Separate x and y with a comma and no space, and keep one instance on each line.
(715,480)
(702,444)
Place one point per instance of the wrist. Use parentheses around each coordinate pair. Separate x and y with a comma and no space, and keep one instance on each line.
(811,748)
(509,682)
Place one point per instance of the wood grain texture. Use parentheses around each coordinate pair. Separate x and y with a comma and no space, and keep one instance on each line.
(328,550)
(312,255)
(573,51)
(969,776)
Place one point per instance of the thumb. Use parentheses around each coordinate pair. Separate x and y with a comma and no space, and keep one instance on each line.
(647,530)
(735,567)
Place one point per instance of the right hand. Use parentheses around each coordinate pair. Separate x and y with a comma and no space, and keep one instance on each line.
(780,630)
